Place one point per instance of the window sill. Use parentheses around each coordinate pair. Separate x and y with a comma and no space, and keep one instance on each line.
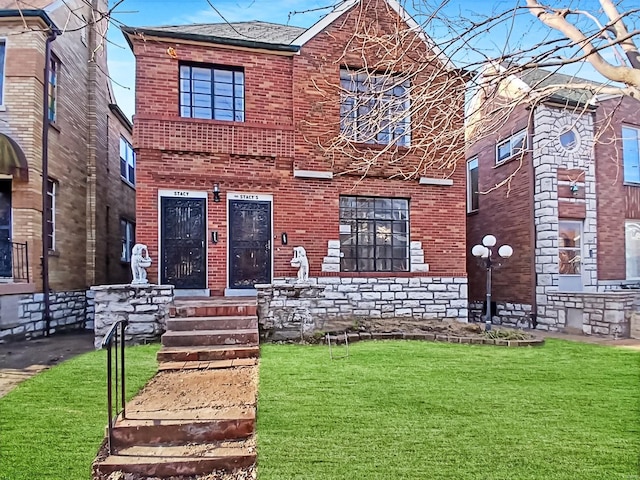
(54,253)
(511,158)
(127,182)
(55,126)
(472,213)
(374,274)
(382,146)
(125,262)
(627,183)
(3,108)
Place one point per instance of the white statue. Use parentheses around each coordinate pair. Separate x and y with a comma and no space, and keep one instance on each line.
(300,261)
(140,260)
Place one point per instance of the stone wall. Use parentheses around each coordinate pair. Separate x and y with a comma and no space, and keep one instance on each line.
(516,315)
(289,310)
(146,307)
(606,314)
(22,316)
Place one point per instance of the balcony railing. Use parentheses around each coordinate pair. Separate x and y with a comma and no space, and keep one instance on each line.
(14,261)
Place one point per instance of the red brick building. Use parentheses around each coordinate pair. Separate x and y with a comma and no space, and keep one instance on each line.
(570,210)
(235,132)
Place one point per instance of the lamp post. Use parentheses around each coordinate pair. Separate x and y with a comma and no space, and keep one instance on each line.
(485,253)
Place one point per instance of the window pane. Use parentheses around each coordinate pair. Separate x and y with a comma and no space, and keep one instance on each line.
(569,262)
(224,115)
(224,103)
(569,234)
(199,73)
(630,154)
(200,100)
(199,112)
(185,85)
(185,71)
(225,76)
(504,151)
(632,248)
(225,89)
(200,86)
(123,167)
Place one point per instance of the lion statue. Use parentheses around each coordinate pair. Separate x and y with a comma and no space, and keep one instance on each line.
(300,261)
(140,260)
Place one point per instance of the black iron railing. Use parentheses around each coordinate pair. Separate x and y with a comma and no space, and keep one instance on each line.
(20,256)
(114,342)
(14,261)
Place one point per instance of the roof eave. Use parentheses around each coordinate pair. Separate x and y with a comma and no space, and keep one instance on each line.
(41,14)
(278,47)
(117,111)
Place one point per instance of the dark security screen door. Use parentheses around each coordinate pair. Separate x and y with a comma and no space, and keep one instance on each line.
(249,243)
(183,235)
(5,229)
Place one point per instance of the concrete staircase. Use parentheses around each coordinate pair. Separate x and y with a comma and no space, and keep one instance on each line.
(202,337)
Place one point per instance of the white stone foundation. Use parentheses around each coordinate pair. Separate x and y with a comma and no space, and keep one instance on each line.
(146,307)
(289,310)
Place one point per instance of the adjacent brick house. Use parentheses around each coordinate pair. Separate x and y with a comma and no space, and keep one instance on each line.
(86,196)
(231,132)
(570,210)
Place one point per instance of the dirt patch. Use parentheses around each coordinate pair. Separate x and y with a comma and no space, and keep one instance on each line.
(23,359)
(249,473)
(194,389)
(439,327)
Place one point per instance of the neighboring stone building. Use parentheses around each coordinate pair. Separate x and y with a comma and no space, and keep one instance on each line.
(573,198)
(86,196)
(231,127)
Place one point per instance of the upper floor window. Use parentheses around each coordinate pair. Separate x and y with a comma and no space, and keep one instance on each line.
(2,55)
(511,146)
(127,239)
(127,161)
(631,154)
(54,70)
(374,108)
(473,196)
(212,92)
(52,190)
(374,234)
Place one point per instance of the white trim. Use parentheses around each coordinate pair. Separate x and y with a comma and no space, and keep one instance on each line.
(469,192)
(246,197)
(185,194)
(314,174)
(347,5)
(442,182)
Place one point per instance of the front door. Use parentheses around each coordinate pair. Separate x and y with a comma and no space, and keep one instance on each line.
(249,243)
(5,228)
(182,243)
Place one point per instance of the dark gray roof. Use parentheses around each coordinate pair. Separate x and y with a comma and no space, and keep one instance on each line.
(541,78)
(254,31)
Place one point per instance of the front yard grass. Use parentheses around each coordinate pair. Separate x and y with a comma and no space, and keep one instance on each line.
(52,424)
(418,410)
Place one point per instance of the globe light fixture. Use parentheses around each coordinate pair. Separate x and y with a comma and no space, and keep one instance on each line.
(484,253)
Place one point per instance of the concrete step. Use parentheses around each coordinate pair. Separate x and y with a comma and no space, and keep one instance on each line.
(187,460)
(220,307)
(207,353)
(207,365)
(212,323)
(184,426)
(194,338)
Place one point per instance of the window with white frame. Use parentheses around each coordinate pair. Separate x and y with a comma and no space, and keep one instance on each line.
(212,92)
(569,247)
(511,146)
(127,161)
(375,108)
(632,248)
(374,234)
(52,190)
(631,154)
(128,240)
(54,71)
(3,47)
(473,196)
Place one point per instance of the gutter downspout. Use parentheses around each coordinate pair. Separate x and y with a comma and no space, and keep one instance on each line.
(45,178)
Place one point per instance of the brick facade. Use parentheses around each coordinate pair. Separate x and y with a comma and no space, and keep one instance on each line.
(82,160)
(291,111)
(584,184)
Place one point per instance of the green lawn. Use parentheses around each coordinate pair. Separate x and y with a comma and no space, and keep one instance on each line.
(52,425)
(418,410)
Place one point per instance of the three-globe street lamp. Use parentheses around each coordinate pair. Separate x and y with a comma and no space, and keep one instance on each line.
(485,253)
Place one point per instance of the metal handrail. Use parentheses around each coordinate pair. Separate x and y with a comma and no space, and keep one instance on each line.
(110,341)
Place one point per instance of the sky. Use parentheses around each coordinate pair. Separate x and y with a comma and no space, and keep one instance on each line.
(515,32)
